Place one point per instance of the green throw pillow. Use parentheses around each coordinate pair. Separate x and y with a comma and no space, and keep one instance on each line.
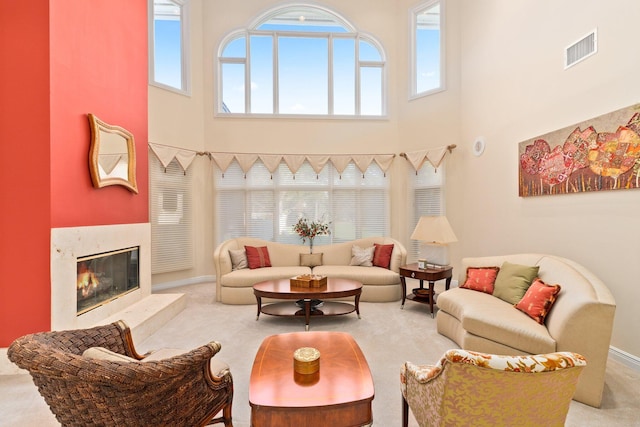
(513,280)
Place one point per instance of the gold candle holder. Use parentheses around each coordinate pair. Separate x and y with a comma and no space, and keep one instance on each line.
(306,360)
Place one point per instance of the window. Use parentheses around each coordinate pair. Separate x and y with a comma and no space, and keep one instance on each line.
(168,45)
(301,61)
(171,217)
(267,206)
(427,193)
(427,49)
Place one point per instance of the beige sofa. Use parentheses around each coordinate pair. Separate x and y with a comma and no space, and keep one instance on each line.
(580,321)
(379,284)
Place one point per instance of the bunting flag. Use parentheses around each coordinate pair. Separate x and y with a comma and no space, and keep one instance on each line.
(435,156)
(185,158)
(294,161)
(384,161)
(340,163)
(416,158)
(223,160)
(362,161)
(317,163)
(271,162)
(164,153)
(246,161)
(108,162)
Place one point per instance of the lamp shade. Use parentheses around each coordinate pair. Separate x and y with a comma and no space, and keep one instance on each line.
(434,229)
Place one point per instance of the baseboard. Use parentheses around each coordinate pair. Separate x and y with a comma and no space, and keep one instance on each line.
(625,358)
(183,282)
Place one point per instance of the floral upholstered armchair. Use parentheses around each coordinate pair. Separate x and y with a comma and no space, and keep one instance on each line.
(468,388)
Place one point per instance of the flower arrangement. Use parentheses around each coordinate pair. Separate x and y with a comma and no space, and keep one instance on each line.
(310,230)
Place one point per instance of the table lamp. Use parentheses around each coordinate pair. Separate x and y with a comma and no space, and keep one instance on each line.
(435,233)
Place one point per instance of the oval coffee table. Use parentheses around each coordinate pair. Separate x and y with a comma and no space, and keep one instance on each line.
(282,289)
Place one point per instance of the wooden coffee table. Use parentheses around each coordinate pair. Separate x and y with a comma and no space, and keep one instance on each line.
(282,289)
(340,394)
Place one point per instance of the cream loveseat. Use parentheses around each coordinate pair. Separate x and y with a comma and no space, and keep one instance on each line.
(580,320)
(236,286)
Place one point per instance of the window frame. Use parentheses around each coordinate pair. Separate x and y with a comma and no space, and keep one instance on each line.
(220,108)
(185,51)
(414,214)
(413,71)
(331,184)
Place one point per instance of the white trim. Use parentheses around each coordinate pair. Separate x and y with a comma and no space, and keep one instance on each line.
(265,16)
(413,80)
(625,358)
(183,282)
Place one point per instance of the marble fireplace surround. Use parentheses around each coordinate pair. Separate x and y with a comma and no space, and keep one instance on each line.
(143,311)
(69,244)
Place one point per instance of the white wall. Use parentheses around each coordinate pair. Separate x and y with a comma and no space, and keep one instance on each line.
(505,81)
(514,88)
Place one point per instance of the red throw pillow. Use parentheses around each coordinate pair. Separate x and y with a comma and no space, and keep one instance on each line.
(481,279)
(538,300)
(257,257)
(382,255)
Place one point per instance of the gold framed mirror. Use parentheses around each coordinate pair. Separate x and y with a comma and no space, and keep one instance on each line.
(112,156)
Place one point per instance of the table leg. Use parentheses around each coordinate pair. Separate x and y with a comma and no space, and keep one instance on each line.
(259,301)
(431,293)
(448,283)
(403,284)
(358,305)
(307,313)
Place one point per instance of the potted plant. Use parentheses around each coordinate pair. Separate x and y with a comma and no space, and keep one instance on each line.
(310,230)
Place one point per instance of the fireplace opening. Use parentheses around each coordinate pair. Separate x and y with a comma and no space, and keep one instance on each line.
(103,277)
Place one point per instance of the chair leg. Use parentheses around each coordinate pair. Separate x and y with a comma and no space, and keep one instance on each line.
(226,414)
(405,412)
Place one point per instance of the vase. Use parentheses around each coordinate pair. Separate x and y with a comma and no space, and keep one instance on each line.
(310,246)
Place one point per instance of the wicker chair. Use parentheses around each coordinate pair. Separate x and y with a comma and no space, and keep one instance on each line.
(468,388)
(81,391)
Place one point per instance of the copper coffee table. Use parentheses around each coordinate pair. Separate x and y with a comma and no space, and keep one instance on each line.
(339,394)
(282,289)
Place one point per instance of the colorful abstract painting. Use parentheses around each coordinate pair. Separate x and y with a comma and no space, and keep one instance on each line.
(596,155)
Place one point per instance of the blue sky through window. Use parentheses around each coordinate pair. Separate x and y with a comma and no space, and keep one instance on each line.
(167,53)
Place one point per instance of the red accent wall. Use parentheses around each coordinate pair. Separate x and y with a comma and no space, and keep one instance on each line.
(68,58)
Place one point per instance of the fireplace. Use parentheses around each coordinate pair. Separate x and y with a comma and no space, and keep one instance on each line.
(96,250)
(101,278)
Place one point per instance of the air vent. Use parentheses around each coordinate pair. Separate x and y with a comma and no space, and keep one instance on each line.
(580,50)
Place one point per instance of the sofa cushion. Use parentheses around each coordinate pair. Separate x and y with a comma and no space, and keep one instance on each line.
(365,275)
(481,279)
(538,300)
(311,260)
(241,278)
(362,256)
(238,259)
(513,280)
(489,317)
(257,257)
(382,255)
(216,365)
(102,353)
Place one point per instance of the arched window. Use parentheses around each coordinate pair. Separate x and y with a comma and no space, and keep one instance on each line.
(301,60)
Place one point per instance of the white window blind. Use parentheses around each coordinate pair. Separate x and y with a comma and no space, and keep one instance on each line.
(427,193)
(267,206)
(171,217)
